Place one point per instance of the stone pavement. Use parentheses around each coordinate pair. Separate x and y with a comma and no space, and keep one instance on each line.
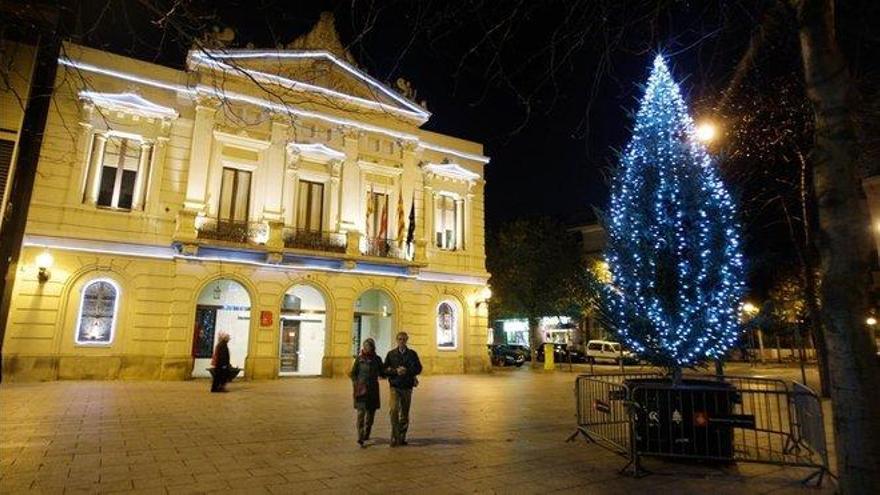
(501,433)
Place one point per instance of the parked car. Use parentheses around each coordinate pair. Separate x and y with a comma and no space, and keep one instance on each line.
(607,351)
(505,355)
(523,348)
(562,352)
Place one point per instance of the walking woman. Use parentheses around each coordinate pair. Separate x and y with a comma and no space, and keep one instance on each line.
(220,363)
(365,373)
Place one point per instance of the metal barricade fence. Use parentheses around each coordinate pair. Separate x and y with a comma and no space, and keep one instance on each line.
(723,419)
(605,417)
(810,423)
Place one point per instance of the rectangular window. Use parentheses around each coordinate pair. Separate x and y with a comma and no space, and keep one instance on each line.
(447,222)
(119,168)
(235,196)
(377,215)
(310,206)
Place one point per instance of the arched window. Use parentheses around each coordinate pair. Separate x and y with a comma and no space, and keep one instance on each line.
(97,313)
(447,336)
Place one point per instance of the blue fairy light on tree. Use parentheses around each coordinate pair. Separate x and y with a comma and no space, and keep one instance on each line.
(673,240)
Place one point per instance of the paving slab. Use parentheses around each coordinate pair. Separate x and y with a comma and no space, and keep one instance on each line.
(499,433)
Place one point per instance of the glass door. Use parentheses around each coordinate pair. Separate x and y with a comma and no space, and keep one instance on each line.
(290,336)
(203,339)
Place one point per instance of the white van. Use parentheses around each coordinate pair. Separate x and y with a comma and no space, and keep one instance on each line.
(603,350)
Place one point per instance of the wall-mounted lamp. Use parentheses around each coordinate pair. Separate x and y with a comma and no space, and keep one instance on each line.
(484,296)
(44,263)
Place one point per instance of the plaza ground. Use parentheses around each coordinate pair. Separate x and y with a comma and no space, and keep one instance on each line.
(498,433)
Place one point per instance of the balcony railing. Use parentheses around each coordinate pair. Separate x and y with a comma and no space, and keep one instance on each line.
(314,240)
(382,248)
(255,233)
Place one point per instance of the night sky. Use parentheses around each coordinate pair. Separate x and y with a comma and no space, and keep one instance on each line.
(548,87)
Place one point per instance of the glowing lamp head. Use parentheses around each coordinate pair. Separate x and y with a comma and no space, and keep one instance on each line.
(749,308)
(706,132)
(871,321)
(44,262)
(484,296)
(486,293)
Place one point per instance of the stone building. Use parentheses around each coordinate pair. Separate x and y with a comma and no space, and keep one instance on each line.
(283,196)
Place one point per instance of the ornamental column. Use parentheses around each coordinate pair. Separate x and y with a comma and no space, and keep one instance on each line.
(200,154)
(289,192)
(93,180)
(335,167)
(140,181)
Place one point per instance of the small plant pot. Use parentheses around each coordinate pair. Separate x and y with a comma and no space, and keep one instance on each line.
(688,420)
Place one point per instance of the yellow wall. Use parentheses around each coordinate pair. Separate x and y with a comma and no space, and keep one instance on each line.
(153,338)
(158,291)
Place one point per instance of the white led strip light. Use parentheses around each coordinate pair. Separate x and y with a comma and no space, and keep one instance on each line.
(168,253)
(289,109)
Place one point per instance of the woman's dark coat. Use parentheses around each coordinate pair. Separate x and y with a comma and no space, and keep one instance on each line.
(366,370)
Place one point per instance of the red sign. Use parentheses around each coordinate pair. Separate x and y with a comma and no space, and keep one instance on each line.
(265,318)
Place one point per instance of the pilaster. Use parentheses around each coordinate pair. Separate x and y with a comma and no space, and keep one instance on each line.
(200,154)
(350,180)
(275,161)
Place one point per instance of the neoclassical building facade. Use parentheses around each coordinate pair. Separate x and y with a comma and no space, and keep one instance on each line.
(282,196)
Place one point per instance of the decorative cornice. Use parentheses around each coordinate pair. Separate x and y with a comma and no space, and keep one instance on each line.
(452,171)
(199,90)
(131,103)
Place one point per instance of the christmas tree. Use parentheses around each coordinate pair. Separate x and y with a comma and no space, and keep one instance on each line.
(673,240)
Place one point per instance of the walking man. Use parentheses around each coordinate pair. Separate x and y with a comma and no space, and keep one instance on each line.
(402,365)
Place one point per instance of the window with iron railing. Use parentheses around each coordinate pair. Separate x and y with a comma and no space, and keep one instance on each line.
(310,207)
(235,196)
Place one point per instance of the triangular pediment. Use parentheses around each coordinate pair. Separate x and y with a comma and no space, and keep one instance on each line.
(316,62)
(319,72)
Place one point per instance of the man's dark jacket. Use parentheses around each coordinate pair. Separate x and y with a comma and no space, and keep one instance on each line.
(409,360)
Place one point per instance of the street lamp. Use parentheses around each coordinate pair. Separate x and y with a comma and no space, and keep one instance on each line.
(871,321)
(44,262)
(749,309)
(485,295)
(706,132)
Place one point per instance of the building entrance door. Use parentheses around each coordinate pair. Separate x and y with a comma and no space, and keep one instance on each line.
(303,328)
(290,335)
(203,336)
(222,306)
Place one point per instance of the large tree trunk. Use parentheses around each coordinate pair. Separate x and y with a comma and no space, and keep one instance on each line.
(844,246)
(535,341)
